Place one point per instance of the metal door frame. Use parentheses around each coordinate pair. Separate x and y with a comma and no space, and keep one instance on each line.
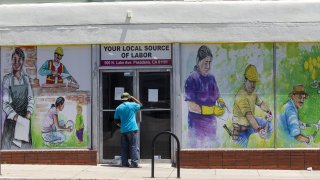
(101,110)
(136,93)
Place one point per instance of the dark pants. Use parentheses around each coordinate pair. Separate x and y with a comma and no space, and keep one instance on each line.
(129,146)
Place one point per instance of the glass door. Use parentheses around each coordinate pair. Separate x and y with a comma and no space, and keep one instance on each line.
(155,95)
(153,89)
(111,82)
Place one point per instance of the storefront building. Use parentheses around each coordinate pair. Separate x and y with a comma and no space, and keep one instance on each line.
(237,81)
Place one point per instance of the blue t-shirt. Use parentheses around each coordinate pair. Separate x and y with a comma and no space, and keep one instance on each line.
(125,112)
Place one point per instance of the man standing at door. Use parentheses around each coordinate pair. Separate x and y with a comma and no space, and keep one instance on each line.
(125,118)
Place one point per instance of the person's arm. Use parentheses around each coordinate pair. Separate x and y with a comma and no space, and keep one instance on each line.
(78,121)
(82,122)
(56,123)
(30,100)
(44,70)
(252,120)
(190,95)
(117,121)
(65,74)
(7,100)
(194,107)
(116,118)
(249,114)
(264,107)
(268,112)
(136,100)
(302,138)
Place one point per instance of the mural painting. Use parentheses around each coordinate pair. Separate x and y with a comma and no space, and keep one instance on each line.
(17,101)
(201,95)
(298,95)
(245,121)
(228,95)
(46,107)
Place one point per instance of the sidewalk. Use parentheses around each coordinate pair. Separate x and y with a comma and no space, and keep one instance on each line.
(162,171)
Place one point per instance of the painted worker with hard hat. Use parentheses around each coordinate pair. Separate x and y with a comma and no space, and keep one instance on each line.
(289,122)
(245,122)
(203,98)
(55,71)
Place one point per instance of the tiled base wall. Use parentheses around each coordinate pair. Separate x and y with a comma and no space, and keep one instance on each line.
(251,159)
(75,157)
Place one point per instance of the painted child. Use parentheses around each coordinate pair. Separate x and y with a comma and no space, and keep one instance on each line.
(79,123)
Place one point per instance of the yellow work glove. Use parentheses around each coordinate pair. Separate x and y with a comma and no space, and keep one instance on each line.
(220,102)
(212,110)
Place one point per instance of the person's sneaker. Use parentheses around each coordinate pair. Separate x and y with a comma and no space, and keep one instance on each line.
(126,165)
(135,166)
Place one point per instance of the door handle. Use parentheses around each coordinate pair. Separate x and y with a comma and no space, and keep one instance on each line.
(139,117)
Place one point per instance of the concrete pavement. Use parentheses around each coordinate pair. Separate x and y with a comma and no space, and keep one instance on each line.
(162,171)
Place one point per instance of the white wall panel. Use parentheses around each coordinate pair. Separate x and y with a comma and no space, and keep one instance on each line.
(219,21)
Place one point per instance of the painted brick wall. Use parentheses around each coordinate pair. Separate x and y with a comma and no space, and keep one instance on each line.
(251,159)
(63,157)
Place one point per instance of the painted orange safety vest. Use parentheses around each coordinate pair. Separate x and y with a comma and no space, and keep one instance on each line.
(51,78)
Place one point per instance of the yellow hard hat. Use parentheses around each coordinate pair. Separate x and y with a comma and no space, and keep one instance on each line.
(251,73)
(59,51)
